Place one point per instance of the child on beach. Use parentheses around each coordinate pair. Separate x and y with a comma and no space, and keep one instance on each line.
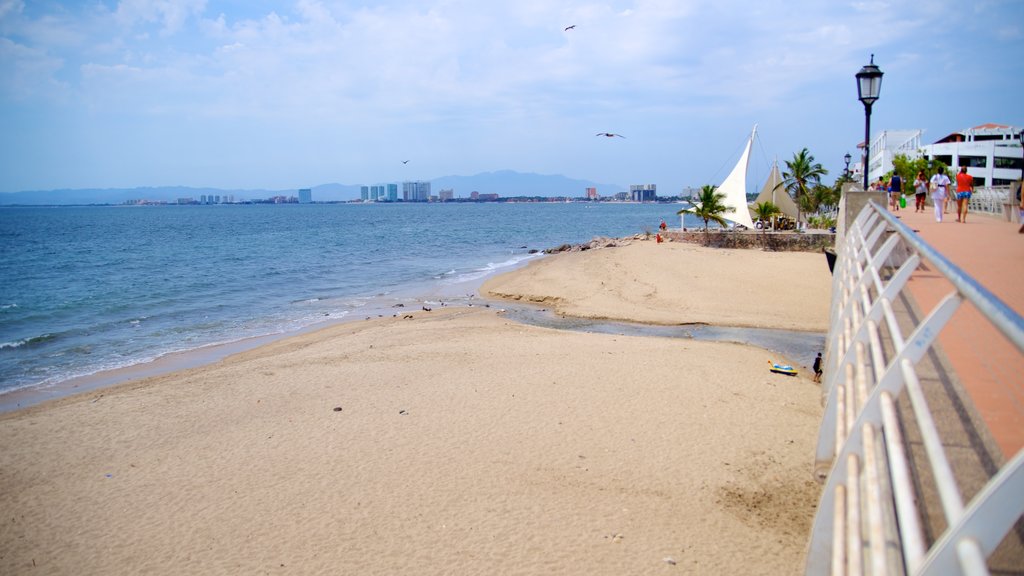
(817,368)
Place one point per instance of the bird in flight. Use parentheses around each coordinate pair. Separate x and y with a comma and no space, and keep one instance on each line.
(567,28)
(609,135)
(405,161)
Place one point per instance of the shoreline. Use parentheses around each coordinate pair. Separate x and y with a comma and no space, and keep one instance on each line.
(385,306)
(464,293)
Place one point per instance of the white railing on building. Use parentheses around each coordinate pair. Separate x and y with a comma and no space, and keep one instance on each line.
(869,519)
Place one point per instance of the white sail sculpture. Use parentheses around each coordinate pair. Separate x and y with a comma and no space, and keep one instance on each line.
(774,192)
(735,189)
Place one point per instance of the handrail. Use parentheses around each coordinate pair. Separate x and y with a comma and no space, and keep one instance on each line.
(869,519)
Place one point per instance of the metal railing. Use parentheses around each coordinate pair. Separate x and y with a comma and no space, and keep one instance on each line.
(989,199)
(869,519)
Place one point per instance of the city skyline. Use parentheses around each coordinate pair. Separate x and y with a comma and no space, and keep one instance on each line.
(277,95)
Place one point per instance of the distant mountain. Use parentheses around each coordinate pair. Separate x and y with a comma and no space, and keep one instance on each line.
(505,183)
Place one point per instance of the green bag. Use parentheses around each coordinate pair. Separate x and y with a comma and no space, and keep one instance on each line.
(903,201)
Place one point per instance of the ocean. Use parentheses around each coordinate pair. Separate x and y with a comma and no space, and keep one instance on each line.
(89,289)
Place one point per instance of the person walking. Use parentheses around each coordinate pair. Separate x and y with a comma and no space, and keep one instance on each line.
(896,190)
(817,368)
(939,184)
(920,191)
(964,188)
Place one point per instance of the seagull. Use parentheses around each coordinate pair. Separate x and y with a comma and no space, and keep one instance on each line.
(608,135)
(567,28)
(405,161)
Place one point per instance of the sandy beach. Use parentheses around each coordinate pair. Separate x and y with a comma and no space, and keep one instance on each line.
(454,441)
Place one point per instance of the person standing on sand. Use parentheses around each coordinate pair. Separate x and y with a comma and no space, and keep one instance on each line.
(939,182)
(920,191)
(817,368)
(964,188)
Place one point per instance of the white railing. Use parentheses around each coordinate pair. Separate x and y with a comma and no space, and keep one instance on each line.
(989,199)
(869,518)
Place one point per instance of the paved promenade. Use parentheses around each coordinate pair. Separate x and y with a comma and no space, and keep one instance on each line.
(991,369)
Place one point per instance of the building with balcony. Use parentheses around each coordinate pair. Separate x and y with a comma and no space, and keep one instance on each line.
(992,153)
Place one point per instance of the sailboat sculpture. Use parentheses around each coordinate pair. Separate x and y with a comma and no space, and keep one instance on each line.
(774,192)
(735,189)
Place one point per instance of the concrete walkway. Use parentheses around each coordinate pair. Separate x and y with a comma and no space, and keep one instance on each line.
(990,368)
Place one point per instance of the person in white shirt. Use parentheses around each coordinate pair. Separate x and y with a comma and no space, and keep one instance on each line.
(940,185)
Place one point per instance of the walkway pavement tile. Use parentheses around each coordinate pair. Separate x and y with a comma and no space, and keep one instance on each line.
(991,369)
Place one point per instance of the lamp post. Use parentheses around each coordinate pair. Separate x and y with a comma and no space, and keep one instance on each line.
(847,158)
(869,84)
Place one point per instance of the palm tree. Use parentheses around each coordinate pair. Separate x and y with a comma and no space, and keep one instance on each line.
(766,212)
(803,173)
(710,206)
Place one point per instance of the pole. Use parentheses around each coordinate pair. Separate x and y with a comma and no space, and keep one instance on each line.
(867,142)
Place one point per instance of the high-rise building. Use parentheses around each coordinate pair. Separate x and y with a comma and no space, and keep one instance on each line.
(416,191)
(446,194)
(364,193)
(305,196)
(392,192)
(378,193)
(643,192)
(592,194)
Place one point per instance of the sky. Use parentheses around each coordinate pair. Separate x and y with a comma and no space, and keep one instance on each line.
(242,94)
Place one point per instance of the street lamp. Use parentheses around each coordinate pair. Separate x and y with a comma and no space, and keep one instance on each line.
(869,84)
(847,158)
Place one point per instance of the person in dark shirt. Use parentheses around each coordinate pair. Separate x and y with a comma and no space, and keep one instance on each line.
(817,368)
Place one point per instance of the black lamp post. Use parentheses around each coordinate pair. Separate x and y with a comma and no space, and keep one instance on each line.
(869,84)
(847,158)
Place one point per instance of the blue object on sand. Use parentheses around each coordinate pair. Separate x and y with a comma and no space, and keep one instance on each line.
(782,369)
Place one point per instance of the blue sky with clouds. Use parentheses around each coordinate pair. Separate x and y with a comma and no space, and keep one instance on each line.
(288,94)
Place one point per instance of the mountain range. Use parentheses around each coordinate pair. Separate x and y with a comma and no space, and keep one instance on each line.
(505,183)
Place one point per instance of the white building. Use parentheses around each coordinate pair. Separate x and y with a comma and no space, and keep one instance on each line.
(991,152)
(886,145)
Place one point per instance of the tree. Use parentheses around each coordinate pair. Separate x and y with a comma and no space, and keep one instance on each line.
(710,206)
(908,167)
(819,195)
(766,212)
(802,173)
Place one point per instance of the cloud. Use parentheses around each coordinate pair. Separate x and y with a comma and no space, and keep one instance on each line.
(472,82)
(171,15)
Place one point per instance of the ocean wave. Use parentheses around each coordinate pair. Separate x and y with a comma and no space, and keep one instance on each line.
(8,306)
(491,268)
(25,342)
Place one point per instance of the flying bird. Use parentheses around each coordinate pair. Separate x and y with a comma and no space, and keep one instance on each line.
(405,161)
(609,135)
(567,28)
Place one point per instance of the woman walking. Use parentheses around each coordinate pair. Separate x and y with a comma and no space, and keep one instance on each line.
(920,191)
(940,183)
(964,188)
